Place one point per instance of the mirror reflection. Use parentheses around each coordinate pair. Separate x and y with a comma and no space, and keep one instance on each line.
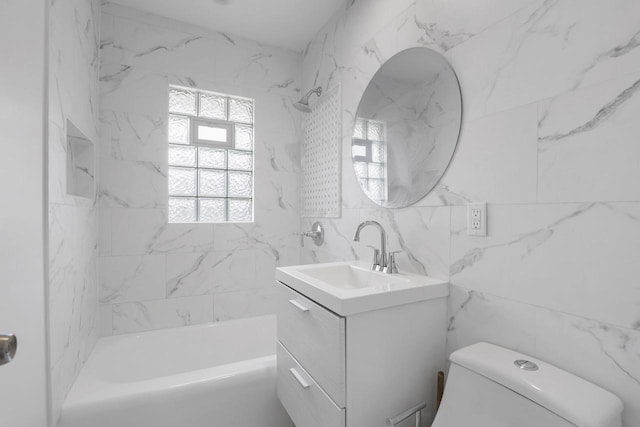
(406,127)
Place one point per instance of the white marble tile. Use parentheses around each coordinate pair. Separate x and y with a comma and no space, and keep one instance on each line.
(313,57)
(274,113)
(398,33)
(74,64)
(421,234)
(338,244)
(604,354)
(163,313)
(356,63)
(65,371)
(146,231)
(105,320)
(275,70)
(63,324)
(57,150)
(496,161)
(85,222)
(478,317)
(545,49)
(272,247)
(61,262)
(63,374)
(72,277)
(364,18)
(235,305)
(118,11)
(131,136)
(576,258)
(588,144)
(131,278)
(267,259)
(208,272)
(276,152)
(276,197)
(153,47)
(132,184)
(73,223)
(135,90)
(104,232)
(450,23)
(324,58)
(142,54)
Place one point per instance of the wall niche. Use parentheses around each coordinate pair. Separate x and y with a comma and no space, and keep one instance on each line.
(80,163)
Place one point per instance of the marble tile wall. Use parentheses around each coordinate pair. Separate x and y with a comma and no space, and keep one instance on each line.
(156,275)
(73,221)
(551,92)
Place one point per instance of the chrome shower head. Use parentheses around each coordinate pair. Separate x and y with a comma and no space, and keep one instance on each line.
(303,104)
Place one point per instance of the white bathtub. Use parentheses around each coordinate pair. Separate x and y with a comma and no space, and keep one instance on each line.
(214,375)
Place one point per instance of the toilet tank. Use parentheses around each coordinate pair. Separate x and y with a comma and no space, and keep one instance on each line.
(487,388)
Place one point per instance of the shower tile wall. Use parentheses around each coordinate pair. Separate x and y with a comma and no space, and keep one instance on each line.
(550,136)
(157,275)
(73,221)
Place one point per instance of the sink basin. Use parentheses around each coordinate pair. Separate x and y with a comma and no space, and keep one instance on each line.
(349,276)
(348,288)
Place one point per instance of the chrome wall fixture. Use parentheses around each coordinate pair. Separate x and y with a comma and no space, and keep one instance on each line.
(316,234)
(8,348)
(303,104)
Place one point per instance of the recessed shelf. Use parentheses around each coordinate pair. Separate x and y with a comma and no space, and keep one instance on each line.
(80,163)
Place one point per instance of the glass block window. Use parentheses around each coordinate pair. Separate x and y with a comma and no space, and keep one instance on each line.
(210,139)
(368,151)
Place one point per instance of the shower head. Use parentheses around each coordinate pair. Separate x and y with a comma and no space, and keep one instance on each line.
(303,104)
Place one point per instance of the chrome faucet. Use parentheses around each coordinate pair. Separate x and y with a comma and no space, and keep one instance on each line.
(379,255)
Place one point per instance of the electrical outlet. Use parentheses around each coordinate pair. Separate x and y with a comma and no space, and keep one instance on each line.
(477,219)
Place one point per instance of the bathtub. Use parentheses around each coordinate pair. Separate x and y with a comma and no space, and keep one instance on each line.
(215,375)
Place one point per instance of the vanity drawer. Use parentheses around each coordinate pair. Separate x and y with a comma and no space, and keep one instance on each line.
(316,338)
(305,401)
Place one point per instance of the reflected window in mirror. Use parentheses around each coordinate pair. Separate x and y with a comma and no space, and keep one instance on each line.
(368,150)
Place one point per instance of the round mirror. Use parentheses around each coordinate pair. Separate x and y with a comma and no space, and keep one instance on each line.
(406,127)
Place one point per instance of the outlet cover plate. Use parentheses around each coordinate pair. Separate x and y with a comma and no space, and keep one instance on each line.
(477,219)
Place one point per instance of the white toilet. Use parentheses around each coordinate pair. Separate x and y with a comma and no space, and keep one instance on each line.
(490,386)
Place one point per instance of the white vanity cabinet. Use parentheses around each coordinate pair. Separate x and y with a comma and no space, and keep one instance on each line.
(358,369)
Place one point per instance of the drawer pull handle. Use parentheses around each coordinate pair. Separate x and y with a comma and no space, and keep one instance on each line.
(298,305)
(298,377)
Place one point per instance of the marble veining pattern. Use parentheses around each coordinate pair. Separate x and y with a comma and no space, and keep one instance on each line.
(549,141)
(585,131)
(174,274)
(550,88)
(74,28)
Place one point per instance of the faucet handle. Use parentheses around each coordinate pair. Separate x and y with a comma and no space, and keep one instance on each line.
(390,267)
(375,262)
(316,234)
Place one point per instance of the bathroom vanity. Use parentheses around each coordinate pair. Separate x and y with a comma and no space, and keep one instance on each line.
(356,347)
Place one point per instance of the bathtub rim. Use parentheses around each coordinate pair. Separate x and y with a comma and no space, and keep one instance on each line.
(90,389)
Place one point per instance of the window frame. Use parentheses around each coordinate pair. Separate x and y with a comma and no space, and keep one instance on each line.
(228,148)
(212,123)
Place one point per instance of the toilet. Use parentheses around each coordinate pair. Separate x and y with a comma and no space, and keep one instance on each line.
(491,386)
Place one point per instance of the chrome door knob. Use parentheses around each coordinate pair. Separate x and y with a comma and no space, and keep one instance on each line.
(8,348)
